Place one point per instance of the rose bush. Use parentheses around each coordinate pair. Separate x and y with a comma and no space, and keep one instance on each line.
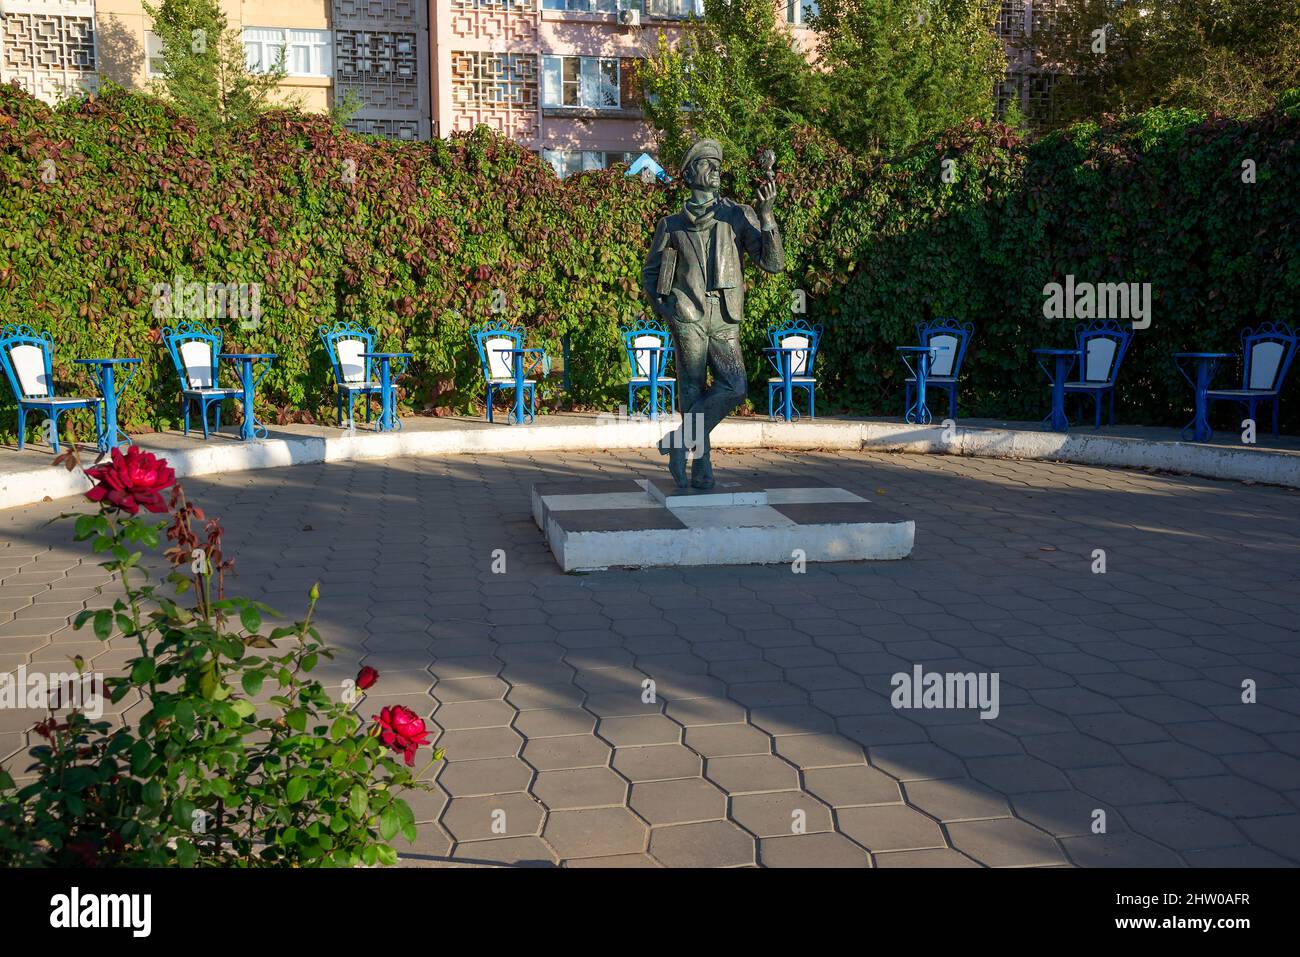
(238,756)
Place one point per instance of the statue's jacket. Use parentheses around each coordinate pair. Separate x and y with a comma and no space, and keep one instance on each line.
(676,279)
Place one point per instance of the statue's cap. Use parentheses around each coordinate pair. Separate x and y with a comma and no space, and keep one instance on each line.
(699,150)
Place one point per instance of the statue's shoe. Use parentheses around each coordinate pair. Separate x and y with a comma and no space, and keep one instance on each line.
(677,465)
(701,475)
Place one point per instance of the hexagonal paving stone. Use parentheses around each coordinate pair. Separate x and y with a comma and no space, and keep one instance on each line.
(647,729)
(712,844)
(474,714)
(483,688)
(682,801)
(579,788)
(931,857)
(889,827)
(549,722)
(956,799)
(616,860)
(1124,849)
(658,762)
(916,762)
(1005,842)
(528,697)
(527,851)
(595,832)
(709,710)
(1182,827)
(572,751)
(763,772)
(852,786)
(819,750)
(489,776)
(480,743)
(727,740)
(474,818)
(779,813)
(811,850)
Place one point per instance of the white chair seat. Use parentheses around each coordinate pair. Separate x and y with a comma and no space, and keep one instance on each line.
(57,400)
(793,378)
(933,379)
(213,391)
(646,378)
(509,380)
(1088,385)
(1242,392)
(356,386)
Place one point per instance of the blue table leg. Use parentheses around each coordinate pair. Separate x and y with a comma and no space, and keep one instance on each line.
(246,374)
(654,388)
(920,414)
(787,380)
(107,389)
(1059,421)
(385,397)
(1203,432)
(519,389)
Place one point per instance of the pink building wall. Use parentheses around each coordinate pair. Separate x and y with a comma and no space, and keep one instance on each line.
(486,67)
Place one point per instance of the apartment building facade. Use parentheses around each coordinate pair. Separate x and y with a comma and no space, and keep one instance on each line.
(555,75)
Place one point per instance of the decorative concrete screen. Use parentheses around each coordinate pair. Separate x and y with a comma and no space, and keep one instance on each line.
(48,46)
(497,89)
(381,51)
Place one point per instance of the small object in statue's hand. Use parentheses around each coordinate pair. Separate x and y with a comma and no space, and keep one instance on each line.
(768,161)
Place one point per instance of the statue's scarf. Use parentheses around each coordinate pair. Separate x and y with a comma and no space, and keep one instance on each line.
(700,219)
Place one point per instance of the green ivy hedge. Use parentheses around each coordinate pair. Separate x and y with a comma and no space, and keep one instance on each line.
(417,240)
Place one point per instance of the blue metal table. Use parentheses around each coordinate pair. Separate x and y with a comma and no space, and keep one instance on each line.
(1064,360)
(653,352)
(918,413)
(785,364)
(253,367)
(387,394)
(108,388)
(521,372)
(1206,363)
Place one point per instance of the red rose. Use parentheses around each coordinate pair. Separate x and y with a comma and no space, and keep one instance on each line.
(366,677)
(131,481)
(402,730)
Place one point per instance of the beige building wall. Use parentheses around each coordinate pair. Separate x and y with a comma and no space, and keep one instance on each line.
(121,28)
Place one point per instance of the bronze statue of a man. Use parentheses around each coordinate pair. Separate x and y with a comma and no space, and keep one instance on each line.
(693,280)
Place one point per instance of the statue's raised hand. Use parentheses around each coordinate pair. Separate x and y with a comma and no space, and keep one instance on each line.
(763,205)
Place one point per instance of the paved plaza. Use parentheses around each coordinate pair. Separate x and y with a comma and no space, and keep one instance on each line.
(770,737)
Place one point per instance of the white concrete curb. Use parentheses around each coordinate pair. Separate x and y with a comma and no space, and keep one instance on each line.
(1265,466)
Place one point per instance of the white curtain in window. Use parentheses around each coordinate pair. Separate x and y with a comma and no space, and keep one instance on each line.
(551,81)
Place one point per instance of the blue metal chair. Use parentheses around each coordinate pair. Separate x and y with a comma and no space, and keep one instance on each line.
(1102,345)
(949,340)
(804,339)
(27,357)
(195,349)
(497,367)
(1267,352)
(345,341)
(640,340)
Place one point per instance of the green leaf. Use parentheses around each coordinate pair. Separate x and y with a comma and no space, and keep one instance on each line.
(250,618)
(252,682)
(357,801)
(296,790)
(389,824)
(103,624)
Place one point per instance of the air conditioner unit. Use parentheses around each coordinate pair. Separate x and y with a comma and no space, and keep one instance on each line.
(630,18)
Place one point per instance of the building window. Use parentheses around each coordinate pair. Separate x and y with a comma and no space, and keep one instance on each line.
(305,52)
(566,162)
(154,59)
(799,11)
(587,82)
(674,9)
(591,6)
